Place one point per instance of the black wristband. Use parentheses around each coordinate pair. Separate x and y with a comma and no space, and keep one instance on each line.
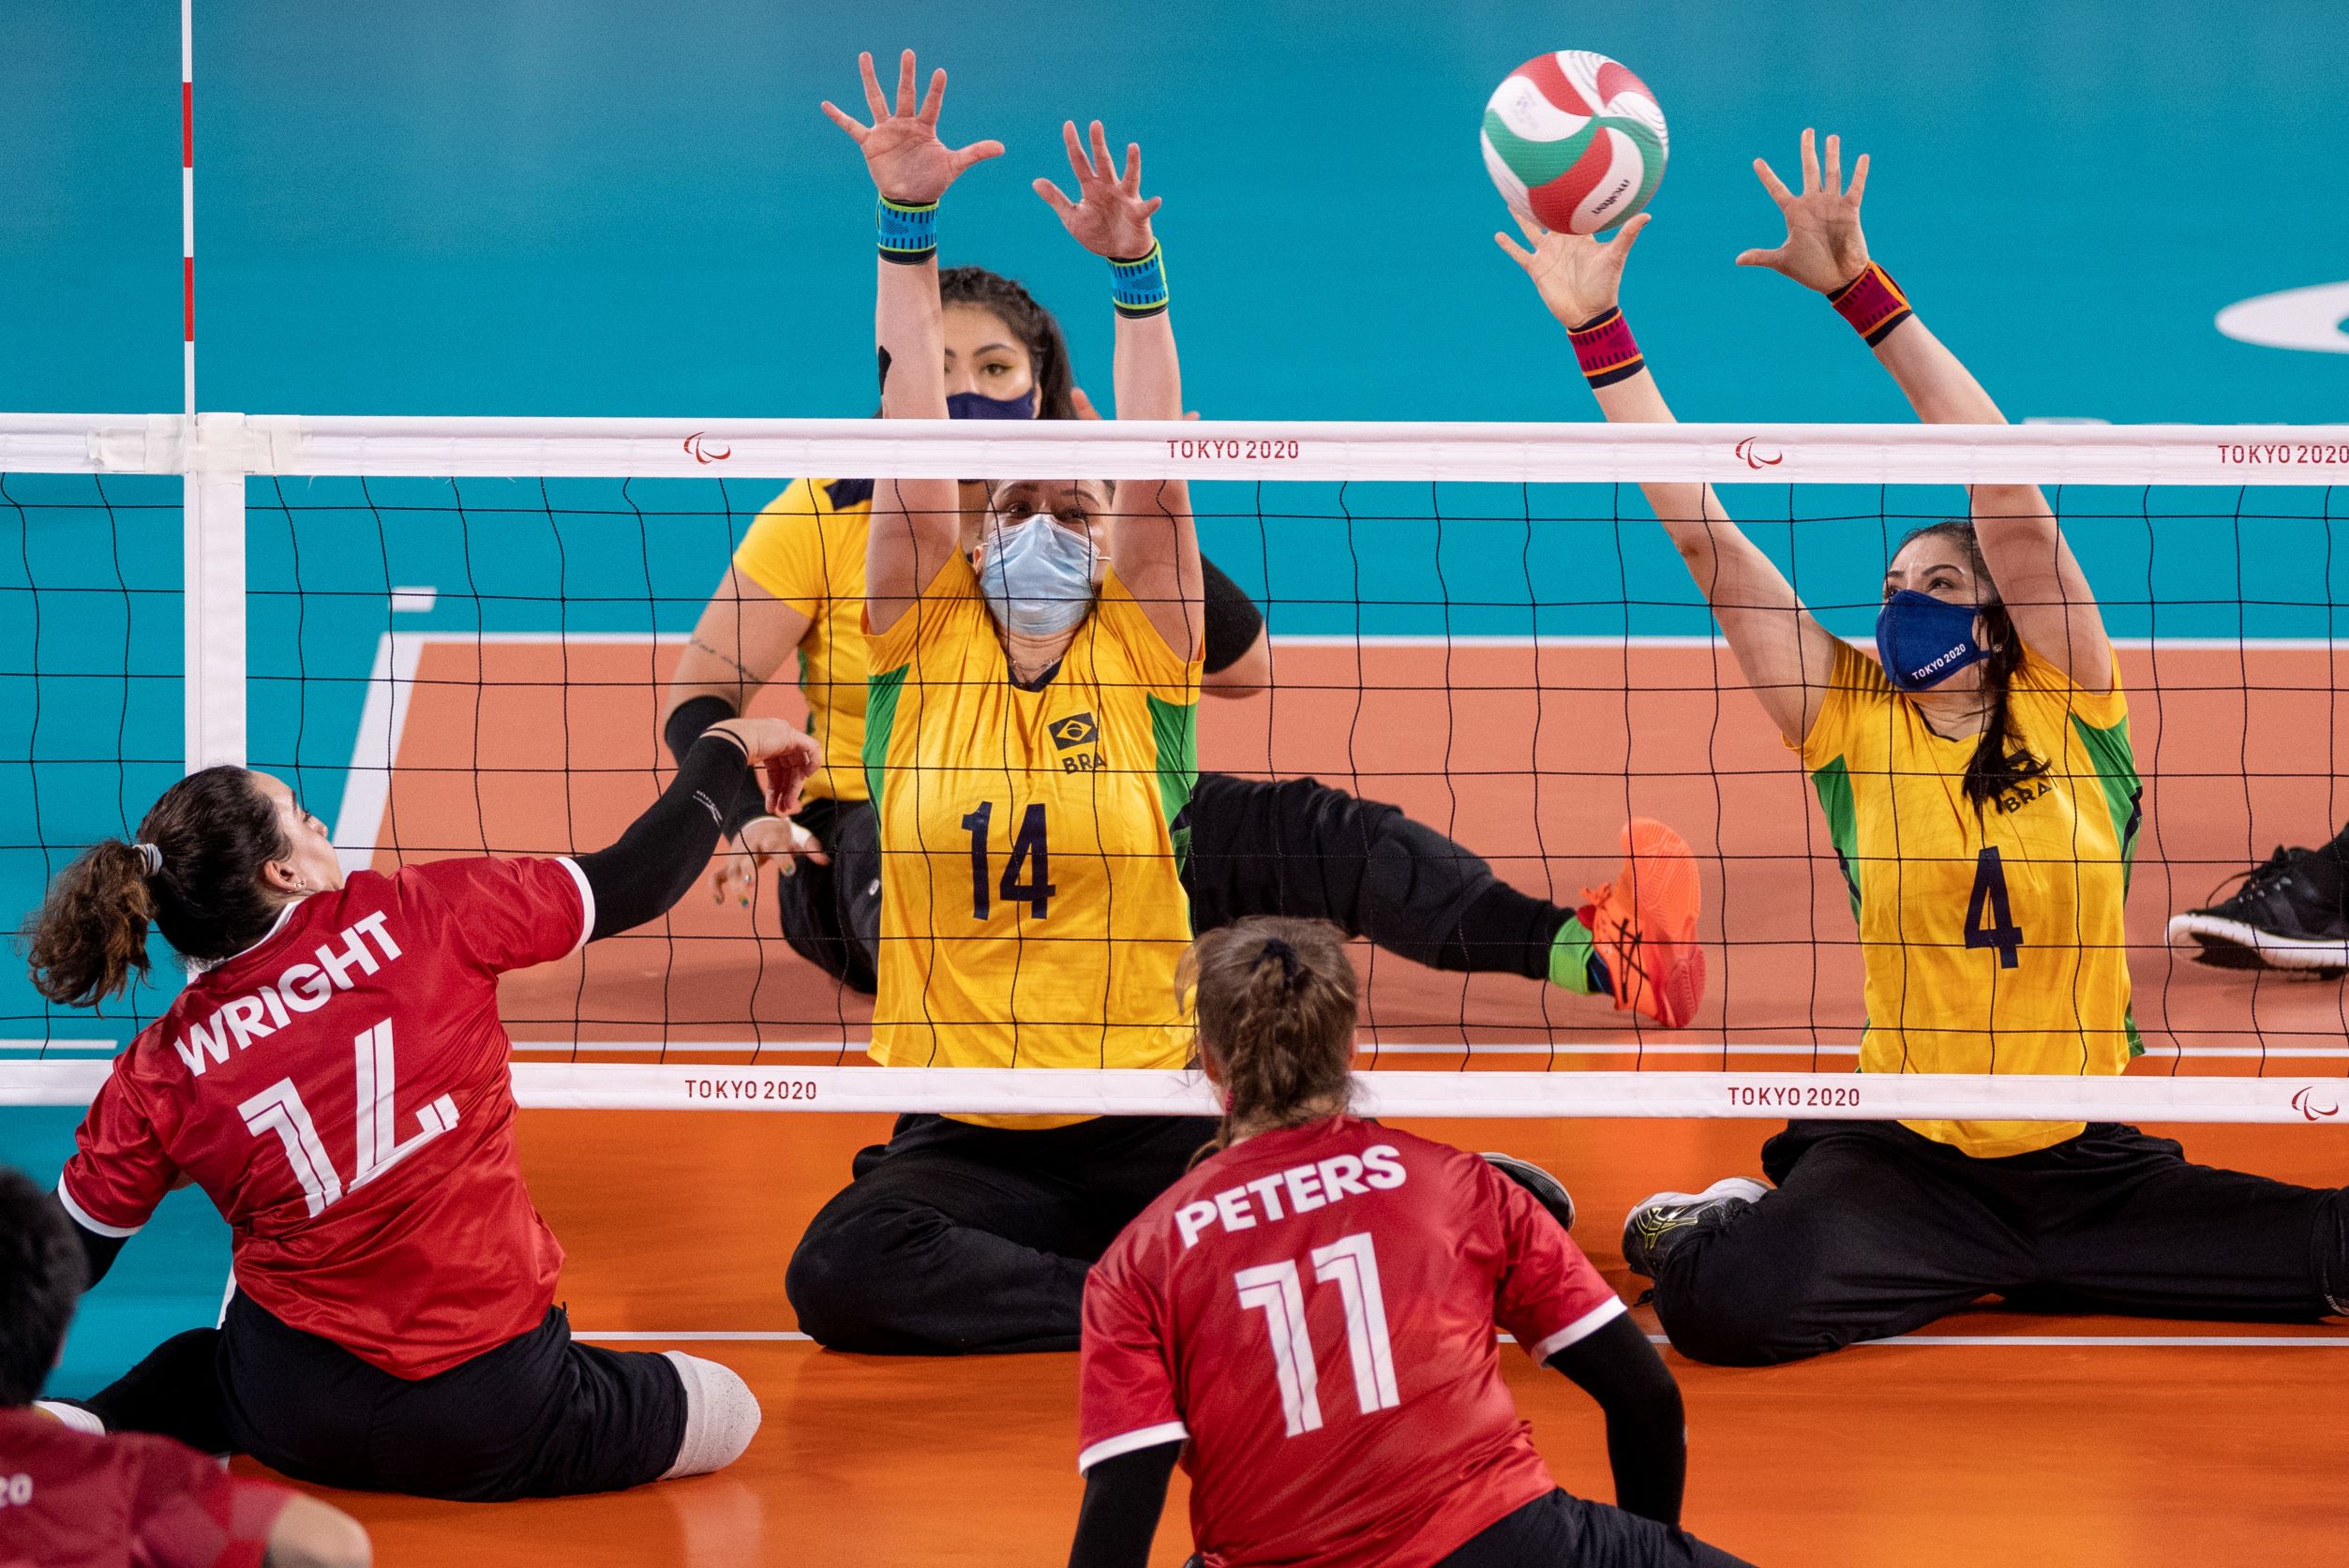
(685,726)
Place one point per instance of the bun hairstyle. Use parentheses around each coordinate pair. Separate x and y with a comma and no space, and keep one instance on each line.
(1276,1008)
(1997,764)
(207,838)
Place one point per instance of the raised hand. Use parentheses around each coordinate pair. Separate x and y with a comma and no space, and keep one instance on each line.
(1579,277)
(1110,217)
(1824,249)
(902,150)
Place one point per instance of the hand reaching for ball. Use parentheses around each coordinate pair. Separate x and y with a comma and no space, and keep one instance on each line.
(1578,276)
(908,163)
(1824,249)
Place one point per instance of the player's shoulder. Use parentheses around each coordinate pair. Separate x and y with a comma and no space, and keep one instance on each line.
(815,500)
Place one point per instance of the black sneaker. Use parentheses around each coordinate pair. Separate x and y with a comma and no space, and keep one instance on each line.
(2275,920)
(1548,1190)
(1654,1226)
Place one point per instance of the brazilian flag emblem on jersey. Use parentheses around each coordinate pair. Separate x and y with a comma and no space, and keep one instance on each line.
(1077,730)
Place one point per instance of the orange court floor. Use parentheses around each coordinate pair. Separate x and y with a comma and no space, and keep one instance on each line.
(1994,1438)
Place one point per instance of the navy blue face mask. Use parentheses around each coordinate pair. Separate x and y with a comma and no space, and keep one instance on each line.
(977,405)
(1924,640)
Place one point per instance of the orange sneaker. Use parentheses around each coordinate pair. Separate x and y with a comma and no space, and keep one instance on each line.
(1643,924)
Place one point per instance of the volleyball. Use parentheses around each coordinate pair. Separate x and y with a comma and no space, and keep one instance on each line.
(1574,141)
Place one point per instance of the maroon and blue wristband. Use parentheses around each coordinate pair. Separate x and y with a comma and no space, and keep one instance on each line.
(1873,304)
(1606,349)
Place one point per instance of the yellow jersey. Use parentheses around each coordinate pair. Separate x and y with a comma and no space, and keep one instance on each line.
(1032,911)
(1991,938)
(806,547)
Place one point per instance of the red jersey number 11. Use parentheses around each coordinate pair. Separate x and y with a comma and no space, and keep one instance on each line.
(1278,1290)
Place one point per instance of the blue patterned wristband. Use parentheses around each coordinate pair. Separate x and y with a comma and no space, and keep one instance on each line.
(1138,288)
(908,234)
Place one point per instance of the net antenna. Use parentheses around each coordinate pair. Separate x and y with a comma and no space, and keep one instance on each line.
(213,496)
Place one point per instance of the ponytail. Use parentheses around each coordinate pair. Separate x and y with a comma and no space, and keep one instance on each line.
(91,933)
(1275,1006)
(196,873)
(1999,763)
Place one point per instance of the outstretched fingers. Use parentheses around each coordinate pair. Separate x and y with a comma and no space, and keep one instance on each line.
(1516,252)
(906,83)
(1055,199)
(1772,183)
(977,152)
(1835,165)
(1859,180)
(935,98)
(1810,162)
(1079,163)
(874,100)
(1104,166)
(856,130)
(1133,168)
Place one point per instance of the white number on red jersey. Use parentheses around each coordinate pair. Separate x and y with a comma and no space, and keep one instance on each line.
(279,1110)
(1278,1290)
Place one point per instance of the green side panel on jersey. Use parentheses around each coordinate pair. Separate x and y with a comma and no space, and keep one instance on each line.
(2124,792)
(1833,785)
(1175,732)
(880,719)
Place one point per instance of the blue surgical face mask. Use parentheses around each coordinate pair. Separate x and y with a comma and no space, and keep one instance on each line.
(977,405)
(1037,578)
(1924,640)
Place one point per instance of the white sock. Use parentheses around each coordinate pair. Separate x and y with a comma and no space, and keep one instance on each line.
(73,1417)
(721,1416)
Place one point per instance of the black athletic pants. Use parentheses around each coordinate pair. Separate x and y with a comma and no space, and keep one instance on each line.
(1295,848)
(1874,1231)
(954,1239)
(1563,1531)
(541,1415)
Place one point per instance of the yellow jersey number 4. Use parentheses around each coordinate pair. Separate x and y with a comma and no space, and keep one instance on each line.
(1026,871)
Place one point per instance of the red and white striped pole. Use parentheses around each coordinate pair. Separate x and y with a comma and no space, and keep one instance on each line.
(188,203)
(212,491)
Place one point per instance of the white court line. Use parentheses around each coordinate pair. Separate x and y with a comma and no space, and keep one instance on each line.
(2033,1341)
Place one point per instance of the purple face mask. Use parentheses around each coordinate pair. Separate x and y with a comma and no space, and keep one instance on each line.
(977,405)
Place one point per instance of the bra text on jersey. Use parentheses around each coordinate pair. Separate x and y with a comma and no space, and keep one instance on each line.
(303,988)
(1306,1186)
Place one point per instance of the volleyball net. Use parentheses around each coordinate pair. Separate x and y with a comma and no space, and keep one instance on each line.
(452,636)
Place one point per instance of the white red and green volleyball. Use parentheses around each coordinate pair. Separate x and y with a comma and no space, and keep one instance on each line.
(1574,141)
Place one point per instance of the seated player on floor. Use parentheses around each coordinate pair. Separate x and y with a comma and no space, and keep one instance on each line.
(72,1498)
(1981,793)
(1296,846)
(392,1325)
(1306,1321)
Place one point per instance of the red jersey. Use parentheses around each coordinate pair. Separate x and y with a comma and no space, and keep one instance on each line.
(1314,1311)
(340,1090)
(72,1500)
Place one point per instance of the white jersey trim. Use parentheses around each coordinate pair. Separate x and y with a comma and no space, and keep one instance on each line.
(587,901)
(1581,1328)
(1127,1442)
(82,1217)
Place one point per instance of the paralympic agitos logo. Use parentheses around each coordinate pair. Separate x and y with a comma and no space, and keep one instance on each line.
(1753,459)
(2306,1104)
(706,449)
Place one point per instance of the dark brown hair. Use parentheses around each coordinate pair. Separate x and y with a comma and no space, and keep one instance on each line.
(1998,763)
(1037,328)
(41,1274)
(1275,1000)
(216,830)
